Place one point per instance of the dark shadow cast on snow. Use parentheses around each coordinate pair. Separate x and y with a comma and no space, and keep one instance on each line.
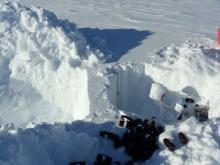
(114,43)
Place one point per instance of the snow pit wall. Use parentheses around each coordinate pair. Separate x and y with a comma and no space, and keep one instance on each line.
(130,89)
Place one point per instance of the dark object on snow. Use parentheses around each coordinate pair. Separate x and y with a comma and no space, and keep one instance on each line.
(139,146)
(160,129)
(130,162)
(122,123)
(102,159)
(117,163)
(131,123)
(185,106)
(140,139)
(78,163)
(151,128)
(180,116)
(201,113)
(169,144)
(124,117)
(115,138)
(134,123)
(189,100)
(182,137)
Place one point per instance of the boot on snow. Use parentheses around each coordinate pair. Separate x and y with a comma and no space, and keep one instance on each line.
(169,144)
(102,159)
(182,137)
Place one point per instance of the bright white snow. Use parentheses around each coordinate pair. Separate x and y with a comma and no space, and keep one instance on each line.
(49,77)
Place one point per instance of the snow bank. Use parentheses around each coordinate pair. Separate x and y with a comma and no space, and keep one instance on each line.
(192,68)
(41,78)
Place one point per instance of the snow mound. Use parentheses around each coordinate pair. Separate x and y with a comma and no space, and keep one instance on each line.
(41,58)
(192,68)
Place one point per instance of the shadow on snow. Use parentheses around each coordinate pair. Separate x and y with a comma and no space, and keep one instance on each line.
(114,43)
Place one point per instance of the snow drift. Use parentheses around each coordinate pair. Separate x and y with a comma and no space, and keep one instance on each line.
(40,57)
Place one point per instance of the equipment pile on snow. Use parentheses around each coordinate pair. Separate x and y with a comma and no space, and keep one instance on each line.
(140,139)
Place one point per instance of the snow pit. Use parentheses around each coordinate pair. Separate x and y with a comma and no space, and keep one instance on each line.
(41,78)
(130,88)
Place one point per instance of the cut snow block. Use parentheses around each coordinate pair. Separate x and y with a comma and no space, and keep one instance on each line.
(157,91)
(179,108)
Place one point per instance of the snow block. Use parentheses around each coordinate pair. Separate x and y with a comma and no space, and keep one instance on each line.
(157,91)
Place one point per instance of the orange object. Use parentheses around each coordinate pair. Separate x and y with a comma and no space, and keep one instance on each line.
(218,36)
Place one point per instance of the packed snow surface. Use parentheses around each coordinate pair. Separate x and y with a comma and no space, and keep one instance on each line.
(50,78)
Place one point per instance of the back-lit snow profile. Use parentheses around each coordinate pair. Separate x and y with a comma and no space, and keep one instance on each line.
(111,82)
